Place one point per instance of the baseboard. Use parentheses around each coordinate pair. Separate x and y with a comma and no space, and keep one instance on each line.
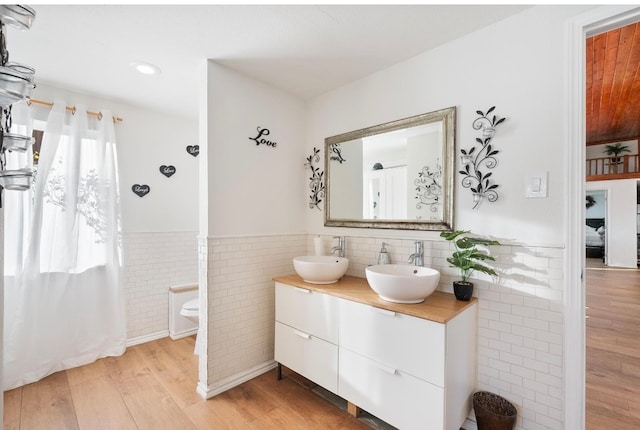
(202,390)
(234,380)
(180,335)
(147,338)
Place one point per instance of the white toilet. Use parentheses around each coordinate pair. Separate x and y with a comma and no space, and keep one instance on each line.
(191,311)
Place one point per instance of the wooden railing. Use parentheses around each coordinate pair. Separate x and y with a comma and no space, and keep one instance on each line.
(622,167)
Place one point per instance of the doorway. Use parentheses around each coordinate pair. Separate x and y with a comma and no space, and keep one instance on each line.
(597,20)
(638,223)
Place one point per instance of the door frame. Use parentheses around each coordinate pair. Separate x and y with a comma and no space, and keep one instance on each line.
(594,21)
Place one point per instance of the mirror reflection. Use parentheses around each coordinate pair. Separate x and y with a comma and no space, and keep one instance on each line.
(394,175)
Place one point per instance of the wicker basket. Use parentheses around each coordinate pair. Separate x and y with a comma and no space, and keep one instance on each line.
(493,412)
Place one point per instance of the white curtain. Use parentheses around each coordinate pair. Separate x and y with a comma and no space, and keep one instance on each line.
(64,299)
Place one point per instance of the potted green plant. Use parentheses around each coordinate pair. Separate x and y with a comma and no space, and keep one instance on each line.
(468,258)
(615,150)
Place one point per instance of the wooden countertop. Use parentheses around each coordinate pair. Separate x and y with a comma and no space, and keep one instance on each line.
(439,306)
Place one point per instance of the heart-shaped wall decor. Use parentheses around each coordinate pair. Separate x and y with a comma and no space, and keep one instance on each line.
(167,171)
(193,150)
(141,190)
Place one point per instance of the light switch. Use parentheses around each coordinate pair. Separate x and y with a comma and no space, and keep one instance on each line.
(536,185)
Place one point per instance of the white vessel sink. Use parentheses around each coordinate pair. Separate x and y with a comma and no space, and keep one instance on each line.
(402,283)
(320,269)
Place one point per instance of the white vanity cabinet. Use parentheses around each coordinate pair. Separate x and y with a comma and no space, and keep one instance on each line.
(306,334)
(394,396)
(410,372)
(412,366)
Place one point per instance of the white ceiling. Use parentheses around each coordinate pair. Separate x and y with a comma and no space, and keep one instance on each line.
(305,50)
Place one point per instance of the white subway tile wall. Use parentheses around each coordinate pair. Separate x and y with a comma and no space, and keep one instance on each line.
(153,262)
(240,299)
(519,319)
(203,330)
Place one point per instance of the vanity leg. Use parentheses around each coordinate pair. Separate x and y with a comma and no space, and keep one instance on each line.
(279,372)
(353,409)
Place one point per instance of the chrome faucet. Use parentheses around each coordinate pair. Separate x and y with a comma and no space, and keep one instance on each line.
(417,257)
(340,247)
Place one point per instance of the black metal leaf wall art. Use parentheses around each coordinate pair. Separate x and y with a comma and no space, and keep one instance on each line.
(336,153)
(477,159)
(429,188)
(316,181)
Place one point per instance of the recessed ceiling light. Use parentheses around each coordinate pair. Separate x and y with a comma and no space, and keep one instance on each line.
(145,68)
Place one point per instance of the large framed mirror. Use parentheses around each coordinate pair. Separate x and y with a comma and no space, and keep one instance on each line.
(396,175)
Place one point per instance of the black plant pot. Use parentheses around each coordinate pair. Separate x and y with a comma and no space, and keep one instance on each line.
(463,290)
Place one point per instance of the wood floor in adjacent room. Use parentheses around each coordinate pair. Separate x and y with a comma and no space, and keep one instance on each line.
(153,386)
(613,348)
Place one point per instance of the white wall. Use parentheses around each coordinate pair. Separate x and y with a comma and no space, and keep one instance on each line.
(253,188)
(621,221)
(512,65)
(255,205)
(516,65)
(348,198)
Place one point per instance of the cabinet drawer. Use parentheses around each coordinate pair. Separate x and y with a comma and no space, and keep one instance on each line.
(309,311)
(313,358)
(413,345)
(393,396)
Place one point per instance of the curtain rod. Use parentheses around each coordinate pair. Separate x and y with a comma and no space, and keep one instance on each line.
(71,109)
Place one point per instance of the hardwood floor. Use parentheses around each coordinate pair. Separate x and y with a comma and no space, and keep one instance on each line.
(152,386)
(613,348)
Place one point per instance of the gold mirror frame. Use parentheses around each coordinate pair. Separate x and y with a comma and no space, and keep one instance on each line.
(448,117)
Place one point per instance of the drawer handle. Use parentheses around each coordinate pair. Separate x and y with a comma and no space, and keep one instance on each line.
(301,334)
(387,369)
(384,311)
(301,290)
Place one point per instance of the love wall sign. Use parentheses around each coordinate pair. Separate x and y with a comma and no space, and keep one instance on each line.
(193,150)
(261,140)
(140,190)
(167,171)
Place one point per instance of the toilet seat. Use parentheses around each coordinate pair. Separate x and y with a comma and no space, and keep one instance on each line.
(192,305)
(191,310)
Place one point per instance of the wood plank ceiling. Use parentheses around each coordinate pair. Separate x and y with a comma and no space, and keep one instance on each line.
(613,86)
